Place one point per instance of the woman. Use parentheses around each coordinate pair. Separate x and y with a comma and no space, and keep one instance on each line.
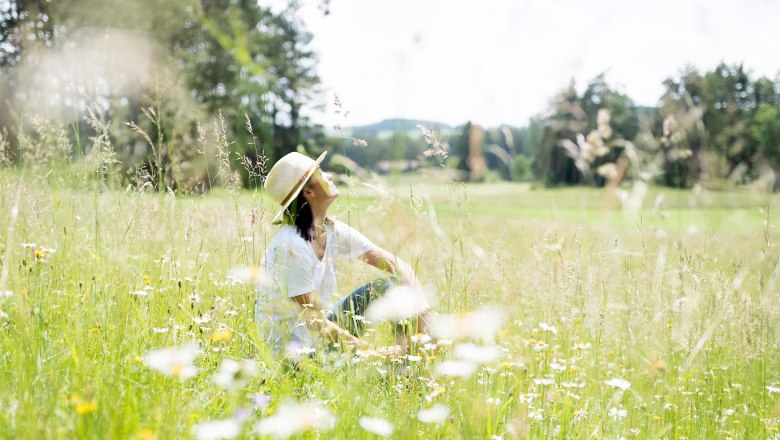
(300,263)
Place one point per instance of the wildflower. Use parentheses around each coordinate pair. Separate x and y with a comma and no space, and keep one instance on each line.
(399,302)
(557,367)
(146,434)
(294,418)
(222,335)
(548,328)
(175,362)
(139,293)
(234,374)
(473,353)
(41,254)
(544,381)
(202,319)
(436,414)
(160,329)
(85,408)
(437,390)
(482,324)
(412,358)
(6,293)
(260,400)
(217,430)
(305,351)
(3,315)
(619,383)
(377,426)
(420,338)
(194,298)
(616,413)
(456,368)
(772,389)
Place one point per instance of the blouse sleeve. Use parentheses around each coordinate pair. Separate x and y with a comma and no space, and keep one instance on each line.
(351,243)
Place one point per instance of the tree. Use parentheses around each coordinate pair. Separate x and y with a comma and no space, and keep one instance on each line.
(294,78)
(229,57)
(580,133)
(680,128)
(765,130)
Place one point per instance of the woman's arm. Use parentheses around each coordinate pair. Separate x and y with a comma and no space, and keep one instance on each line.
(311,309)
(384,260)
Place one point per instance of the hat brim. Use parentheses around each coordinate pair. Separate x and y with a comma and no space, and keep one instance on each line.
(294,194)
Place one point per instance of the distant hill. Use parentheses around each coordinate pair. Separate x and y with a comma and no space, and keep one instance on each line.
(388,127)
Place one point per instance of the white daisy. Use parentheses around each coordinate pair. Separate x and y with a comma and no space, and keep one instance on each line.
(377,426)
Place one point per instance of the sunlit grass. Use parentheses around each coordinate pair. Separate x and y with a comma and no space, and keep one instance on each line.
(662,323)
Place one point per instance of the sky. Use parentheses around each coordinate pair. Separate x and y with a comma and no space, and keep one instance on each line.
(498,62)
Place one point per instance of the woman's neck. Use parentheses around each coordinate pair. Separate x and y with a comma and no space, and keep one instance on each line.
(319,215)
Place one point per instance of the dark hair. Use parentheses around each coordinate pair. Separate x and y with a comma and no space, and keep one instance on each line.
(300,214)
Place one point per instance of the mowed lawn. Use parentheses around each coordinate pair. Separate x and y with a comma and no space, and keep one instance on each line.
(579,319)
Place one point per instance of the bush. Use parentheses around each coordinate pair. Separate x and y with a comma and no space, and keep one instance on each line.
(522,168)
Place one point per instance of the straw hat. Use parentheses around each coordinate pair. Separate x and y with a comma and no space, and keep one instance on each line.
(287,177)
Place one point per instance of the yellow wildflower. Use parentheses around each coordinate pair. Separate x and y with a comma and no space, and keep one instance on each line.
(146,434)
(221,336)
(86,408)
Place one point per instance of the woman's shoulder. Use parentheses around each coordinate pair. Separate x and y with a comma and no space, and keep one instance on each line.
(340,227)
(287,235)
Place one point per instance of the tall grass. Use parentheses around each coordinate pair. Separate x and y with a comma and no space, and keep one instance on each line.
(659,325)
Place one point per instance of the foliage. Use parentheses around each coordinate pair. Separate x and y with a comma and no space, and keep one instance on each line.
(165,68)
(707,121)
(522,168)
(766,131)
(704,130)
(575,141)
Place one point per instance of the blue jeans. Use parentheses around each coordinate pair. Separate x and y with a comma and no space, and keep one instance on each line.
(348,312)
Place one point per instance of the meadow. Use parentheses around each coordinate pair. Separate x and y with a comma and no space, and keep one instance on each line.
(602,322)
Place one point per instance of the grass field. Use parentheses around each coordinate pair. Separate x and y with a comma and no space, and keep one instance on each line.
(661,323)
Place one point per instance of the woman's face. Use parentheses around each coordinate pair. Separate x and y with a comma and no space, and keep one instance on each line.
(322,186)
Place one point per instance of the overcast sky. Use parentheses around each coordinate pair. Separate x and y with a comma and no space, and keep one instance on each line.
(500,61)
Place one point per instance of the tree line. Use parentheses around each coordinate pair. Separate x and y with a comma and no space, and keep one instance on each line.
(720,126)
